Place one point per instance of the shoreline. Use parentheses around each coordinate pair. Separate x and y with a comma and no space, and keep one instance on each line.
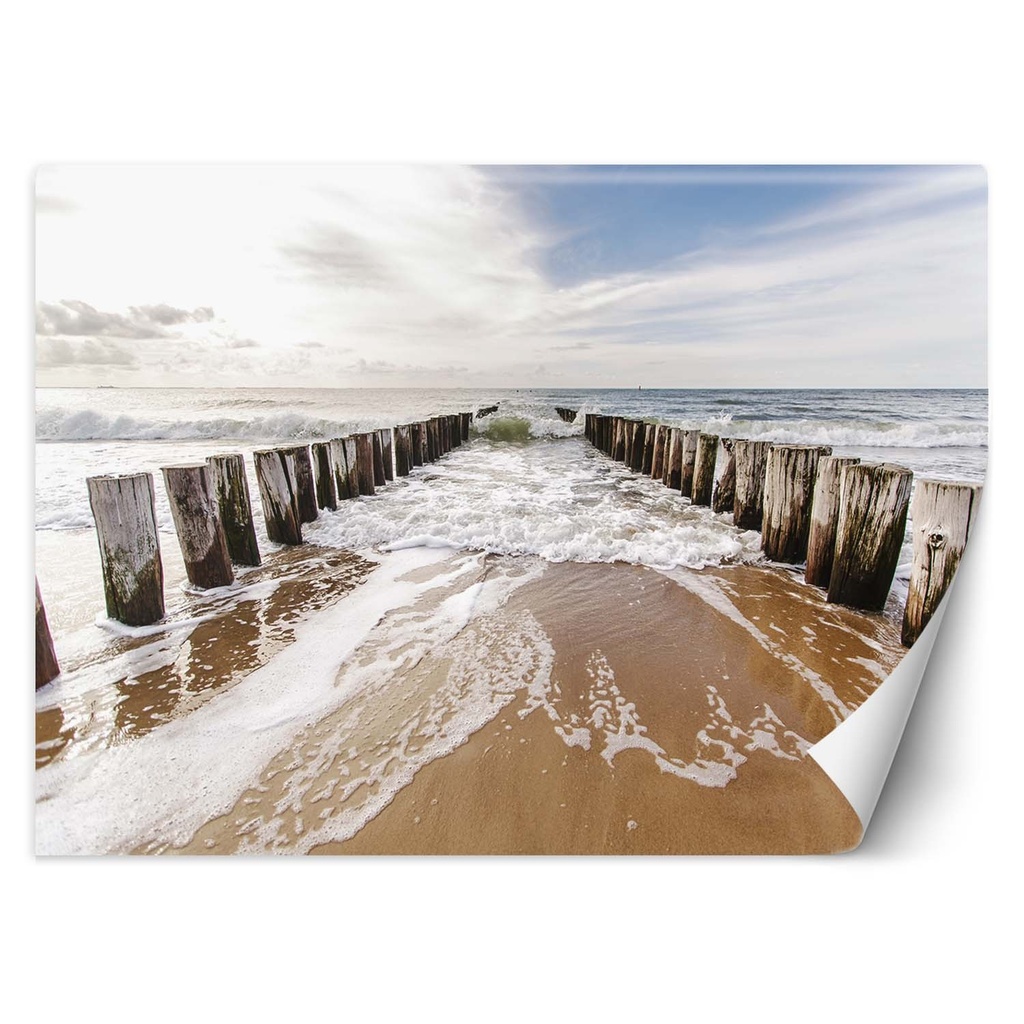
(486,695)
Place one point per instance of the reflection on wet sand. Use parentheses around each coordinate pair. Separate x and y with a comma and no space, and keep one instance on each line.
(237,631)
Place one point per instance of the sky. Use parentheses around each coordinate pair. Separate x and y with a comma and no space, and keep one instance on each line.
(504,276)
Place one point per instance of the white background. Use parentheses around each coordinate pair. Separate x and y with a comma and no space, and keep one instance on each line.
(911,923)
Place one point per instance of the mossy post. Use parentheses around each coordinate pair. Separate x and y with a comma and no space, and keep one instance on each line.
(724,496)
(275,477)
(196,515)
(47,668)
(788,489)
(658,462)
(690,439)
(873,503)
(227,474)
(133,577)
(941,518)
(821,535)
(323,475)
(364,463)
(748,504)
(704,469)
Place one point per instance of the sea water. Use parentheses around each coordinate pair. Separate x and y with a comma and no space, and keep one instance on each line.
(528,487)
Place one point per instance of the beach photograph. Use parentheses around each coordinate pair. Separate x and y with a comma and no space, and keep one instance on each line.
(422,509)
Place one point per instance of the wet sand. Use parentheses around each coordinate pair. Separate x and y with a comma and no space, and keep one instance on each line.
(598,709)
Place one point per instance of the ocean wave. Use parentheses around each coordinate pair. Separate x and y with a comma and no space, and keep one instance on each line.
(94,425)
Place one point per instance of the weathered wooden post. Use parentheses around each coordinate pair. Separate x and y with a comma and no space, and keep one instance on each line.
(464,421)
(942,516)
(364,463)
(689,442)
(789,478)
(658,462)
(821,535)
(419,442)
(704,469)
(133,575)
(301,470)
(403,450)
(204,548)
(379,478)
(748,504)
(673,475)
(627,442)
(47,668)
(275,477)
(724,496)
(648,455)
(433,441)
(340,468)
(639,434)
(873,504)
(588,426)
(387,446)
(455,430)
(227,475)
(323,475)
(619,445)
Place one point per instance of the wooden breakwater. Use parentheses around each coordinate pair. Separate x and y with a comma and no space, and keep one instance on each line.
(212,512)
(843,519)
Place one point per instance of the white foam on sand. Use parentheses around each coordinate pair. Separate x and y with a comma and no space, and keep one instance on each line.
(167,783)
(355,661)
(708,591)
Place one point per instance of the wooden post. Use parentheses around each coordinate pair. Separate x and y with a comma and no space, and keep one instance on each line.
(821,535)
(418,443)
(133,576)
(387,444)
(340,468)
(788,489)
(704,469)
(433,441)
(725,489)
(748,505)
(942,516)
(323,475)
(274,475)
(364,463)
(648,450)
(658,462)
(403,450)
(454,430)
(204,547)
(671,435)
(464,421)
(689,442)
(627,438)
(301,469)
(379,477)
(619,444)
(227,475)
(639,433)
(873,504)
(47,668)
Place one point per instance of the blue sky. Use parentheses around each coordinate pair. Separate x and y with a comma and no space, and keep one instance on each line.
(512,276)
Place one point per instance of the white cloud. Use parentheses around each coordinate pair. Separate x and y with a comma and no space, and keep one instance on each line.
(431,276)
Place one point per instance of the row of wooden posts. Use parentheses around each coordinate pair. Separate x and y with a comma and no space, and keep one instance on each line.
(845,519)
(212,513)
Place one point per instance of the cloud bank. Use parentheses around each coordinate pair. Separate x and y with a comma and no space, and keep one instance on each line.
(434,276)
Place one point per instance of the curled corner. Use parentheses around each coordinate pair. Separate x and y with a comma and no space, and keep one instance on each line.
(857,754)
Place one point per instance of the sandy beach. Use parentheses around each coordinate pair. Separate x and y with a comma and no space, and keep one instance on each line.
(504,706)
